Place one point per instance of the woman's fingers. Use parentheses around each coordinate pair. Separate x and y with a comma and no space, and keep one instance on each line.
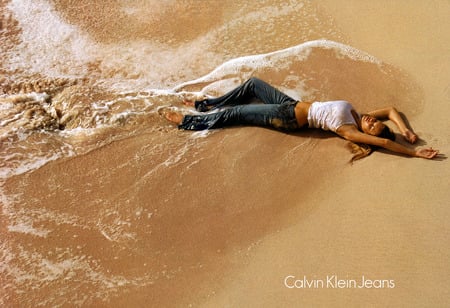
(427,153)
(432,153)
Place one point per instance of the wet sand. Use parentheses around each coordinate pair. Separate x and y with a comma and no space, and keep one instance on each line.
(245,208)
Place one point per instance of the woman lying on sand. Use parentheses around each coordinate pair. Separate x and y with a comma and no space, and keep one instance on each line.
(284,113)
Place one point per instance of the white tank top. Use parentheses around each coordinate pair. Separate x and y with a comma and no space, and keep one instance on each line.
(330,115)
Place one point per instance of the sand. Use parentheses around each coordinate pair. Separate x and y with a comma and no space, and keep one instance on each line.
(384,217)
(246,212)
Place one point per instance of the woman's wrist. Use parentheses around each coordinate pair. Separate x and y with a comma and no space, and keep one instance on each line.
(409,136)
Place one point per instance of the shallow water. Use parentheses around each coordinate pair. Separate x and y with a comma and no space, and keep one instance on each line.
(117,214)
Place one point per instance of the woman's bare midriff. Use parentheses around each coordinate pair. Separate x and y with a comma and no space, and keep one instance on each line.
(301,113)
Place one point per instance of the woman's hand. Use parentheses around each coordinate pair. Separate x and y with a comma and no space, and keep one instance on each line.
(427,153)
(410,136)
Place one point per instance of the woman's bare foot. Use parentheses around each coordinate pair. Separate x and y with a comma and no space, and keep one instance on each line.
(189,103)
(173,116)
(189,100)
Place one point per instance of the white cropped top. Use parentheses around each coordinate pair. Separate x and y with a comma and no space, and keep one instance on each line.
(330,115)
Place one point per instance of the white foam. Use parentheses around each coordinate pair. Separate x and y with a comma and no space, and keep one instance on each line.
(6,106)
(27,228)
(33,271)
(31,163)
(201,134)
(22,219)
(278,59)
(12,119)
(49,45)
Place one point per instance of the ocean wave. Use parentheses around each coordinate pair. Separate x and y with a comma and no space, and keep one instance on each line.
(80,115)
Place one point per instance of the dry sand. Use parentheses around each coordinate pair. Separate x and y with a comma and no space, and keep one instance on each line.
(386,217)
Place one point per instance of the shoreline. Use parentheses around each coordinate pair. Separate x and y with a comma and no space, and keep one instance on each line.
(251,216)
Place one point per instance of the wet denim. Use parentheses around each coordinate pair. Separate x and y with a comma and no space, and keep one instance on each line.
(276,110)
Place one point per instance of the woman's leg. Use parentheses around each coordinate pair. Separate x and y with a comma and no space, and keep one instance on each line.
(252,88)
(276,116)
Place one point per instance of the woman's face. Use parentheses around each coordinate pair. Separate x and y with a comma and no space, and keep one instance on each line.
(371,125)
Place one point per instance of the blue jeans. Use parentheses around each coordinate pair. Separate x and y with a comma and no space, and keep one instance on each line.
(277,110)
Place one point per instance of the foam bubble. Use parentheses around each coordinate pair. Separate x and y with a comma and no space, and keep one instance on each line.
(27,228)
(244,67)
(37,271)
(48,44)
(20,164)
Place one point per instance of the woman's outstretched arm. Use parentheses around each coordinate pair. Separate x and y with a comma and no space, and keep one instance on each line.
(350,133)
(392,114)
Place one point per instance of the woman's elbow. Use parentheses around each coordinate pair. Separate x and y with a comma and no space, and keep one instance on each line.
(392,111)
